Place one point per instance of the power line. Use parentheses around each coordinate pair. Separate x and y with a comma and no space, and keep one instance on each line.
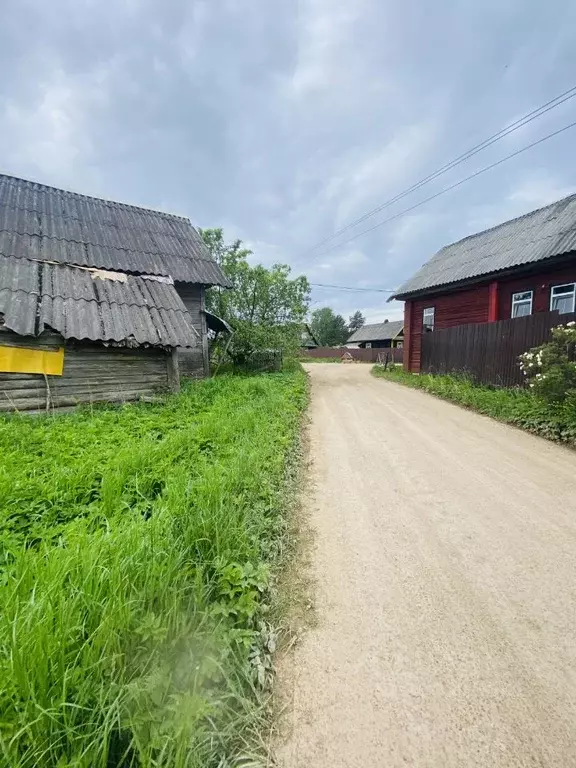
(520,123)
(352,288)
(515,126)
(451,187)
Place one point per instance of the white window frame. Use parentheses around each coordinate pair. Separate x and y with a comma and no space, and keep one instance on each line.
(428,325)
(563,294)
(518,302)
(368,345)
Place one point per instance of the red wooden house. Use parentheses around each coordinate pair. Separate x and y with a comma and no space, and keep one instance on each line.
(522,266)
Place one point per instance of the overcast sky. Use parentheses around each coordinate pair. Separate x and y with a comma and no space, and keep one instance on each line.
(283,120)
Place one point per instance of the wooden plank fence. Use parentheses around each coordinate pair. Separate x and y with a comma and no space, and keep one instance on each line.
(365,355)
(488,352)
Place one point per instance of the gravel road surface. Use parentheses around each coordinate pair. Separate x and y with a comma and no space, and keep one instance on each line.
(445,567)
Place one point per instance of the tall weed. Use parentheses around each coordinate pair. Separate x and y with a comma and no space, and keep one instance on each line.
(136,547)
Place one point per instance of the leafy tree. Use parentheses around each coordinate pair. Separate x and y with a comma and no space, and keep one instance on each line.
(356,321)
(265,307)
(329,328)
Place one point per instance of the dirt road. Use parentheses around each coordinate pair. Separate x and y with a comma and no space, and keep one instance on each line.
(445,560)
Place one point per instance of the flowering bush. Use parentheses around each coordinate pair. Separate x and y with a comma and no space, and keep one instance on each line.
(550,369)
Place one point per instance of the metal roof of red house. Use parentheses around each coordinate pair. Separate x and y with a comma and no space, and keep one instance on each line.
(536,236)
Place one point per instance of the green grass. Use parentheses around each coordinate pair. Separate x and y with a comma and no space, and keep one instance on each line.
(138,549)
(320,360)
(330,360)
(514,406)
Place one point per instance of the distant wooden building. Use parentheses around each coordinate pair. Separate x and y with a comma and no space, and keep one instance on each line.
(517,268)
(307,338)
(99,301)
(385,335)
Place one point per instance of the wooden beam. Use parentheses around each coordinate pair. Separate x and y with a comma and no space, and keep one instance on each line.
(204,332)
(407,334)
(173,371)
(493,302)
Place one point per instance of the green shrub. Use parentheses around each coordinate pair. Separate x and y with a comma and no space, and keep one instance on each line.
(550,368)
(138,545)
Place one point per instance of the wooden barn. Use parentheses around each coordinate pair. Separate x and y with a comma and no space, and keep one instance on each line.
(99,301)
(385,335)
(522,266)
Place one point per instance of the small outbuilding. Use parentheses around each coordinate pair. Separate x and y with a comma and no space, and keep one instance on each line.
(99,301)
(385,335)
(307,338)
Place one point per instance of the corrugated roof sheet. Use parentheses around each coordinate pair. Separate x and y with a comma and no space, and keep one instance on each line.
(377,332)
(534,237)
(75,302)
(49,224)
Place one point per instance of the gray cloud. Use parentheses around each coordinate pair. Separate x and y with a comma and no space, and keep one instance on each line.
(283,121)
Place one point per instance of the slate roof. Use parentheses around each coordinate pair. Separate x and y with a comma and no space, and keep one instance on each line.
(49,224)
(77,303)
(534,237)
(377,332)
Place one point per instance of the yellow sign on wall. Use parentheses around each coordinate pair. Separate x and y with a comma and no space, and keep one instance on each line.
(27,360)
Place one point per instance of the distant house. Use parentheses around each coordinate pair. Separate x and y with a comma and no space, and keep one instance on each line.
(519,267)
(384,335)
(99,301)
(307,338)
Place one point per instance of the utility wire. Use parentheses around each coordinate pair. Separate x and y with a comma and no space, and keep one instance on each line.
(352,288)
(452,186)
(515,126)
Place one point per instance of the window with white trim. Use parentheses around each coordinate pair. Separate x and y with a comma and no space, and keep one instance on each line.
(562,298)
(368,345)
(522,303)
(428,319)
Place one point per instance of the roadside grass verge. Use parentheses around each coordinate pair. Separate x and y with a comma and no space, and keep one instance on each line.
(138,548)
(320,360)
(332,360)
(518,407)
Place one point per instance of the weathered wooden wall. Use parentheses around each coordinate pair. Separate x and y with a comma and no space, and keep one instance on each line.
(472,305)
(194,361)
(488,352)
(387,344)
(92,373)
(467,306)
(540,283)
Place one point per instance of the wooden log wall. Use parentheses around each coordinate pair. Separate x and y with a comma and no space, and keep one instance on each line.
(194,361)
(92,373)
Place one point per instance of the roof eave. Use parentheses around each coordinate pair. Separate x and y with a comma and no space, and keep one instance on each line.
(526,268)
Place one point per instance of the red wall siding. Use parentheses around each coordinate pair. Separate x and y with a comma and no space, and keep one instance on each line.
(458,308)
(407,335)
(472,305)
(540,284)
